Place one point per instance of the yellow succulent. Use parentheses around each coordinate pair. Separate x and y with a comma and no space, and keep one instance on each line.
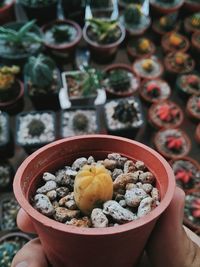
(147,64)
(180,58)
(195,21)
(93,185)
(175,39)
(7,76)
(144,45)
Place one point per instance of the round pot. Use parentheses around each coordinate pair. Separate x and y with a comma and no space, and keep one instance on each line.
(197,134)
(167,48)
(168,154)
(159,9)
(42,14)
(189,29)
(103,53)
(180,86)
(15,105)
(111,93)
(195,116)
(160,32)
(7,13)
(133,53)
(191,6)
(62,243)
(149,99)
(64,50)
(157,123)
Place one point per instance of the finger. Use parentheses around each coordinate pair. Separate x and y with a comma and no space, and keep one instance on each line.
(31,255)
(169,245)
(24,222)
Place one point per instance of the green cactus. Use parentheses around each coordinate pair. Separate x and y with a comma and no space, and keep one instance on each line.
(80,122)
(37,3)
(36,127)
(39,71)
(119,80)
(61,33)
(132,14)
(125,112)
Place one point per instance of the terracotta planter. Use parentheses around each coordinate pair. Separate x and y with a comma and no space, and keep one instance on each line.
(163,94)
(131,91)
(166,122)
(63,50)
(159,9)
(167,47)
(191,6)
(189,29)
(7,13)
(197,134)
(160,139)
(60,242)
(193,108)
(15,105)
(103,53)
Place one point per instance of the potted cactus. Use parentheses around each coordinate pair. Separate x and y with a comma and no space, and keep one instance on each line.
(188,84)
(193,108)
(166,6)
(78,122)
(174,42)
(18,41)
(43,11)
(140,47)
(134,21)
(81,86)
(6,174)
(103,37)
(192,23)
(6,11)
(192,5)
(153,91)
(11,90)
(35,129)
(124,116)
(43,82)
(6,139)
(120,81)
(61,37)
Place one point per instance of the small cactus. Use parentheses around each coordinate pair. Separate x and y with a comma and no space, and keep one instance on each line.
(7,76)
(168,22)
(147,65)
(80,122)
(119,80)
(36,127)
(180,58)
(125,112)
(175,39)
(132,14)
(144,45)
(61,33)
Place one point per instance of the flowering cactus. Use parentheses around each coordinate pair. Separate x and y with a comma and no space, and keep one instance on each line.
(167,113)
(174,143)
(184,176)
(175,39)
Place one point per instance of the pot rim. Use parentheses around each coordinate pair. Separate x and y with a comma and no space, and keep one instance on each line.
(189,110)
(65,45)
(54,225)
(6,7)
(106,46)
(14,233)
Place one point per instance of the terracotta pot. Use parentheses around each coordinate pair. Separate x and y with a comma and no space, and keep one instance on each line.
(63,243)
(7,13)
(169,155)
(189,29)
(185,93)
(111,93)
(197,134)
(159,9)
(149,100)
(133,53)
(157,123)
(167,48)
(64,50)
(15,105)
(103,53)
(195,116)
(192,7)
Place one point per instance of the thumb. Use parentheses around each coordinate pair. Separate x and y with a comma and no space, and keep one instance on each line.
(169,245)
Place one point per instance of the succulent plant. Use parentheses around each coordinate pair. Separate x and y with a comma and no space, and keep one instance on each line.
(119,80)
(80,122)
(39,71)
(174,143)
(8,250)
(143,45)
(193,81)
(176,40)
(93,185)
(125,112)
(132,14)
(37,3)
(7,77)
(153,90)
(195,20)
(168,22)
(36,127)
(61,33)
(147,65)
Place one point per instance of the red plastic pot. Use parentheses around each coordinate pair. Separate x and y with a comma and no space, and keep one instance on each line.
(103,53)
(7,13)
(168,48)
(158,9)
(65,50)
(111,93)
(63,243)
(15,105)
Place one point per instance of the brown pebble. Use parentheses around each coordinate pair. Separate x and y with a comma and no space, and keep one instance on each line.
(84,222)
(146,177)
(64,214)
(129,166)
(122,180)
(109,164)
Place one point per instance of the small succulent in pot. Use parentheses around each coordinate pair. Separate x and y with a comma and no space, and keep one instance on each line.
(135,22)
(193,107)
(6,175)
(166,24)
(155,90)
(187,173)
(35,129)
(142,47)
(166,6)
(172,143)
(77,122)
(174,42)
(43,82)
(192,23)
(188,84)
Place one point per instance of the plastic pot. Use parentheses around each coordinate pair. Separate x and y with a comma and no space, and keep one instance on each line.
(167,48)
(63,50)
(15,105)
(63,243)
(131,91)
(158,9)
(103,53)
(7,13)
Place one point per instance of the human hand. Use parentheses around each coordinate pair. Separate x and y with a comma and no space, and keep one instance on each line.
(170,244)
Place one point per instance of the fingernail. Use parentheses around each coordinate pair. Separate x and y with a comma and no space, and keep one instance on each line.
(22,264)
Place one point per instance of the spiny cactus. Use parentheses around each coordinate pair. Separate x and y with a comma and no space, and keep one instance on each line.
(61,33)
(125,112)
(119,80)
(39,70)
(80,122)
(36,127)
(132,14)
(168,22)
